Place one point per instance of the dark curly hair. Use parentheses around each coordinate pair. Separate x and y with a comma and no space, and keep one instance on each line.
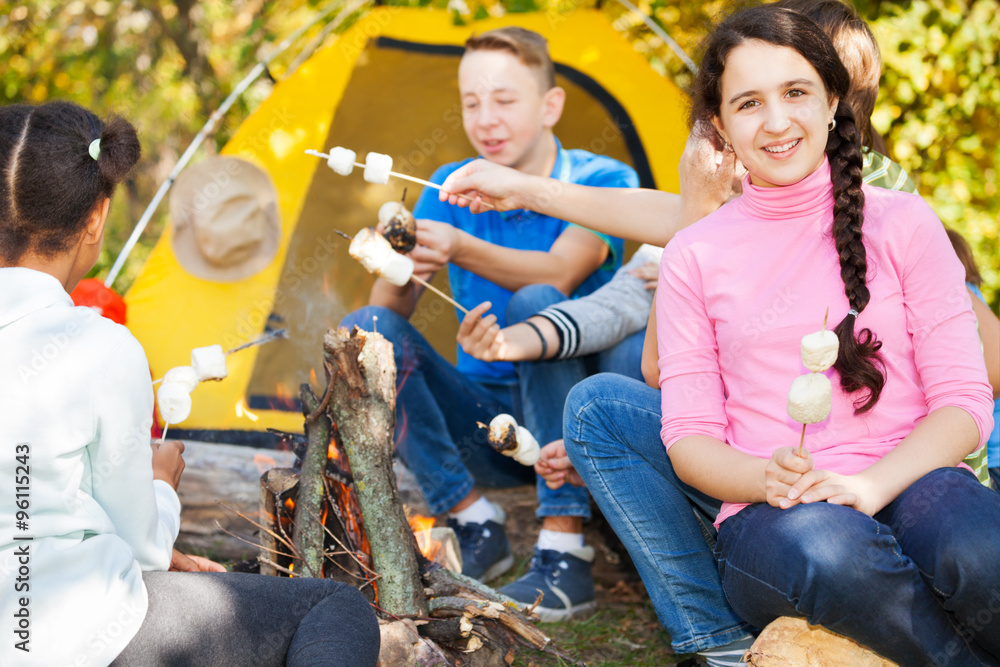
(50,184)
(859,363)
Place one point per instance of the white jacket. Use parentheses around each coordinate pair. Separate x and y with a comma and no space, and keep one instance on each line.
(75,389)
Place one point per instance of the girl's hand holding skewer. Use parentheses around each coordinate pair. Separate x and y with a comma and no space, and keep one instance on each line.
(483,185)
(480,336)
(855,491)
(785,469)
(168,461)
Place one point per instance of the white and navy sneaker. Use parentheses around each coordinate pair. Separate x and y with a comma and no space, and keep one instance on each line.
(485,547)
(566,579)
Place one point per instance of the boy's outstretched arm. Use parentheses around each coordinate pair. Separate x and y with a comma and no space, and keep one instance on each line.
(575,255)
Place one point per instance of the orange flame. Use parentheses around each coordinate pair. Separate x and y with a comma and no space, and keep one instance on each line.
(242,411)
(421,527)
(264,462)
(332,452)
(312,377)
(289,504)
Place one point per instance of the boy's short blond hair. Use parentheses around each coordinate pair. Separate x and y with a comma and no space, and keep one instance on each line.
(530,48)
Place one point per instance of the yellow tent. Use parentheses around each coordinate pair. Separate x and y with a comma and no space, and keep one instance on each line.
(387,85)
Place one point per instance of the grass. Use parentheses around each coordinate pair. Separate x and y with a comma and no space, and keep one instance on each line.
(623,631)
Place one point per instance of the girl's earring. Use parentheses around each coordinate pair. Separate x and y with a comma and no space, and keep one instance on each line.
(729,147)
(833,124)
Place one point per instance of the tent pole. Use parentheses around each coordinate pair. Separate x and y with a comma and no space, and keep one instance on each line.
(208,128)
(662,34)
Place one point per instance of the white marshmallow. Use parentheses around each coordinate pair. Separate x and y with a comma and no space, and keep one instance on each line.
(390,210)
(527,448)
(342,160)
(183,375)
(377,168)
(810,398)
(398,270)
(209,363)
(377,256)
(174,402)
(819,350)
(371,249)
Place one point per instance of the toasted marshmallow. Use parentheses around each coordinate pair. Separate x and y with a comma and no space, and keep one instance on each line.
(182,375)
(810,398)
(819,350)
(377,256)
(377,168)
(174,402)
(510,439)
(209,363)
(342,160)
(527,447)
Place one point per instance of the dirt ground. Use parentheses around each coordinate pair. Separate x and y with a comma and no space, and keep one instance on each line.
(624,630)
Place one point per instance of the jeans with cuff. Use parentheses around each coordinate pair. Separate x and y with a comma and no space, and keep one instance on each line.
(544,386)
(612,434)
(437,408)
(918,583)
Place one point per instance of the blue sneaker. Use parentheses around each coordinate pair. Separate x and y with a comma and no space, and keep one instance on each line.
(564,577)
(485,548)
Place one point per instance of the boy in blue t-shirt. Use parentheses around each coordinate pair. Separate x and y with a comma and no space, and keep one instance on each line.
(510,104)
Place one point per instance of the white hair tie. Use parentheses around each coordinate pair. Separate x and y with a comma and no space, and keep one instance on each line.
(95,148)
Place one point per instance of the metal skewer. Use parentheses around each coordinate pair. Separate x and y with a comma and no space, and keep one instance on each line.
(266,338)
(420,280)
(404,177)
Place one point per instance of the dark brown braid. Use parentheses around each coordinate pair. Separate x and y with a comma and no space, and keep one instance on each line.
(859,364)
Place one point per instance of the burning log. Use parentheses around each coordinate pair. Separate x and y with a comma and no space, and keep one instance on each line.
(309,536)
(439,617)
(363,405)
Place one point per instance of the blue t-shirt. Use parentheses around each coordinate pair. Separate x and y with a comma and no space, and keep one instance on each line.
(993,444)
(521,230)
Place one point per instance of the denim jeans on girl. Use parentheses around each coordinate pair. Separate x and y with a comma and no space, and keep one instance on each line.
(612,435)
(919,582)
(544,386)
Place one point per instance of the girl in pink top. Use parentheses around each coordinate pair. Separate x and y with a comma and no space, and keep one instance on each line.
(873,532)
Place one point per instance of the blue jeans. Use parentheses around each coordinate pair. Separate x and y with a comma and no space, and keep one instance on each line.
(436,413)
(612,434)
(544,386)
(919,582)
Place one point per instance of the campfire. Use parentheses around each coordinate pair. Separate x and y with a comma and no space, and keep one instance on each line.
(339,516)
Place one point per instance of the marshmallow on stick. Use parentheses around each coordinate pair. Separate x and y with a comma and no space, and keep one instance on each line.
(510,439)
(811,397)
(342,160)
(174,402)
(398,226)
(378,168)
(209,363)
(186,376)
(377,256)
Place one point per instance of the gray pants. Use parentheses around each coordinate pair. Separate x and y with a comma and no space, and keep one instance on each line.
(221,619)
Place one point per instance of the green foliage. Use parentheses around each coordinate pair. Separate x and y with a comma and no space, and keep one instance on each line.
(939,108)
(168,65)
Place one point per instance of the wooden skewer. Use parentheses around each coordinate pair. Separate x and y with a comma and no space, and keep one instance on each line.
(802,439)
(405,177)
(440,293)
(421,281)
(826,315)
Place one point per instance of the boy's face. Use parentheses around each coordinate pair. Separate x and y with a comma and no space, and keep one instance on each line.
(504,109)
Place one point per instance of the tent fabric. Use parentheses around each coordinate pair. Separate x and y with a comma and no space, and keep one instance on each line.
(388,85)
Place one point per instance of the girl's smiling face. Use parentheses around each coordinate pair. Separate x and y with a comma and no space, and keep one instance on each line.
(775,112)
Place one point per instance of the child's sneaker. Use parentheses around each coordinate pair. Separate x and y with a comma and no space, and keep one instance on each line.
(485,548)
(564,577)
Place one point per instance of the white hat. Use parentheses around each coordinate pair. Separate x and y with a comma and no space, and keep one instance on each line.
(226,221)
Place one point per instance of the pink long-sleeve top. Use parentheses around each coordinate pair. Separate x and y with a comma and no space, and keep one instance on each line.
(739,289)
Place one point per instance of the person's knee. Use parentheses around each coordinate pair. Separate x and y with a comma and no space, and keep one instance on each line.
(527,301)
